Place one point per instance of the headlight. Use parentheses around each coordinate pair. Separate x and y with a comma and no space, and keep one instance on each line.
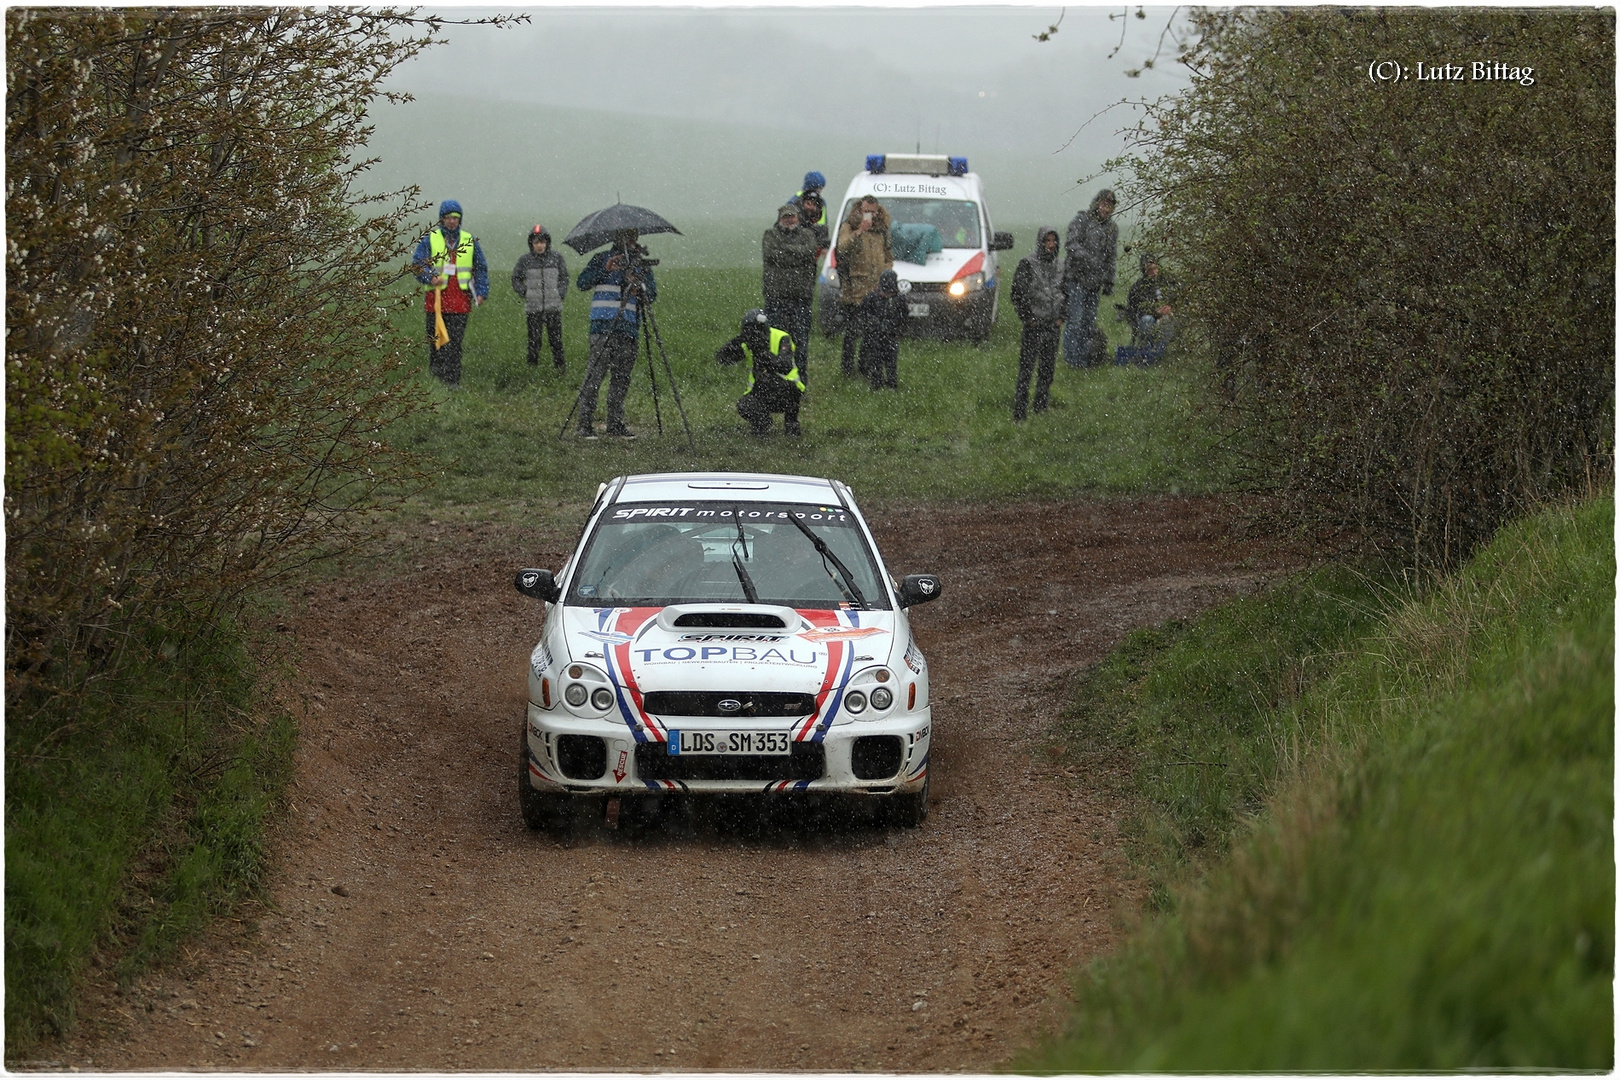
(882,698)
(576,694)
(962,286)
(602,698)
(856,702)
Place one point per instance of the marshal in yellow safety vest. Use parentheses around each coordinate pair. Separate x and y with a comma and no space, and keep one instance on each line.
(777,337)
(438,251)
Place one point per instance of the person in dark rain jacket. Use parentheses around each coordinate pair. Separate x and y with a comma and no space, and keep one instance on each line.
(788,252)
(882,313)
(1040,297)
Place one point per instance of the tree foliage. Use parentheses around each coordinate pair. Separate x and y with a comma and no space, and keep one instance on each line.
(1404,289)
(199,363)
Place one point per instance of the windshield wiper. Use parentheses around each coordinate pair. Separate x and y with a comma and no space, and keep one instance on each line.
(748,589)
(851,591)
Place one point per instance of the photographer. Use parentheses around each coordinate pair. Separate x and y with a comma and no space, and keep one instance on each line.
(774,385)
(621,280)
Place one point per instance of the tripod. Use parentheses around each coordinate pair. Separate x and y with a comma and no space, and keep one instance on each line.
(649,334)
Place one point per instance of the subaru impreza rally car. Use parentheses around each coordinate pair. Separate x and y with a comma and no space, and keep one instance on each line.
(724,633)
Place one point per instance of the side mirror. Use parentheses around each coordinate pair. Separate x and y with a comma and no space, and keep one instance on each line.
(919,589)
(538,584)
(1001,241)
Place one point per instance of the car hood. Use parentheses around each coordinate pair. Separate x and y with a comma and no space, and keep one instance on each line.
(811,651)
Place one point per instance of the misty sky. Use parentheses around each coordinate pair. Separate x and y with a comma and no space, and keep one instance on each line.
(716,113)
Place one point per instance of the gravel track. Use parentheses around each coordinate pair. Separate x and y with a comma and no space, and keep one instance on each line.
(413,923)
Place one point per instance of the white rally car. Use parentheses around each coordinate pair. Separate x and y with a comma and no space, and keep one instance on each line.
(724,632)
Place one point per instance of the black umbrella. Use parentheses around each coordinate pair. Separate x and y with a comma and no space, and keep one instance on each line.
(598,228)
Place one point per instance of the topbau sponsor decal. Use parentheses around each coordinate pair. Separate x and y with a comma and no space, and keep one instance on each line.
(750,654)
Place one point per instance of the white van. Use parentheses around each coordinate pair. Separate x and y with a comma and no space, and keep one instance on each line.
(938,205)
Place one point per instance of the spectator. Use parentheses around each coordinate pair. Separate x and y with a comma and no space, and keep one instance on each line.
(882,313)
(1040,299)
(774,385)
(450,265)
(813,183)
(1149,306)
(788,251)
(1093,243)
(813,216)
(541,278)
(863,253)
(621,283)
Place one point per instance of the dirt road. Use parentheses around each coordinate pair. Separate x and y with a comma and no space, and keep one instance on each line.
(415,924)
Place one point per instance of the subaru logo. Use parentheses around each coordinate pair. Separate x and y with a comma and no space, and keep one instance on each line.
(729,705)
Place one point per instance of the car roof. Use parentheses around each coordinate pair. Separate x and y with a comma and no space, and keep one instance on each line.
(755,487)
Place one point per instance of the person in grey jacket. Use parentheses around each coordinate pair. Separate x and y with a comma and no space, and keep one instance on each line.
(788,251)
(1088,270)
(1041,298)
(541,278)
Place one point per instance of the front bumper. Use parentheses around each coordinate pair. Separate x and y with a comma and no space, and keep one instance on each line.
(596,757)
(948,316)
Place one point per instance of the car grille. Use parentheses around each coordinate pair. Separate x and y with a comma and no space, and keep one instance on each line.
(654,762)
(749,704)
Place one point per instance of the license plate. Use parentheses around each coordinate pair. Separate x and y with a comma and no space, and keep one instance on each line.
(918,311)
(729,742)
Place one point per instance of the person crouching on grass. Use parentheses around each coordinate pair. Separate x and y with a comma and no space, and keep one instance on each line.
(774,385)
(541,278)
(450,265)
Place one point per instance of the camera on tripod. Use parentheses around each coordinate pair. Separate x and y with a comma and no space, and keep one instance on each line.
(636,257)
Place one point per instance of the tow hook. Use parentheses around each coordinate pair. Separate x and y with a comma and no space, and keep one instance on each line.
(610,813)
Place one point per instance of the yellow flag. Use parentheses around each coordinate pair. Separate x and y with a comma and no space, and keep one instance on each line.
(441,335)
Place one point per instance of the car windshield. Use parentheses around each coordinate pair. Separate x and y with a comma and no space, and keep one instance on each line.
(653,554)
(956,219)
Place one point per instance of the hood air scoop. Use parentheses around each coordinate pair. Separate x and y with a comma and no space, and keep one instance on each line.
(759,618)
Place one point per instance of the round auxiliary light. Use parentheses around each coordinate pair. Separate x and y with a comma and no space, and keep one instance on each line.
(575,672)
(576,694)
(602,698)
(855,702)
(957,289)
(882,675)
(882,698)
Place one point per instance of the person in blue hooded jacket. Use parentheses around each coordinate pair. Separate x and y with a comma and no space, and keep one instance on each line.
(450,265)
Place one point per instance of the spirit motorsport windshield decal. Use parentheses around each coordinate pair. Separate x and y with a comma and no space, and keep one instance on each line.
(823,515)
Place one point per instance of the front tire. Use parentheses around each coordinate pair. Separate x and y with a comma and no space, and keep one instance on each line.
(910,810)
(552,814)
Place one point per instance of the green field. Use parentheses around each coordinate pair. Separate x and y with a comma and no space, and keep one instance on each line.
(947,433)
(1417,792)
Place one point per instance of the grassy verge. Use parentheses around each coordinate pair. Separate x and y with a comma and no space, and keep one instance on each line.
(1431,882)
(947,433)
(133,815)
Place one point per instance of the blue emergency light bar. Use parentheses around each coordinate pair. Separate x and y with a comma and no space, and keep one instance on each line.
(932,164)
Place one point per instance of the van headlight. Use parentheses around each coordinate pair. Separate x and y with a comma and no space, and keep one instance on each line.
(962,286)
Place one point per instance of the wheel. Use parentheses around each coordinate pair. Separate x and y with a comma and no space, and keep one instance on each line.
(909,811)
(982,321)
(549,813)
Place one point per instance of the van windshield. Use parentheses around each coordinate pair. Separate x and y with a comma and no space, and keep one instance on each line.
(956,219)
